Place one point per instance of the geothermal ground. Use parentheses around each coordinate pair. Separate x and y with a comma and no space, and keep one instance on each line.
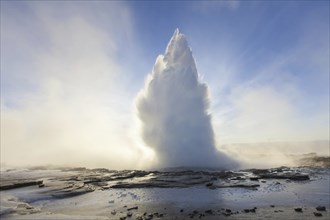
(79,193)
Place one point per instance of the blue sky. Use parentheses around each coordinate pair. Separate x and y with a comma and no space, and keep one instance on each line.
(77,67)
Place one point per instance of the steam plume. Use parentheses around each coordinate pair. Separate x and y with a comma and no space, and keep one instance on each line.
(173,108)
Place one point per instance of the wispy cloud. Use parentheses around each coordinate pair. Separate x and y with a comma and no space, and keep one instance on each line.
(273,95)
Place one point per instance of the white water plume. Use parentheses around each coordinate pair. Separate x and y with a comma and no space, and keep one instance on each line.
(173,109)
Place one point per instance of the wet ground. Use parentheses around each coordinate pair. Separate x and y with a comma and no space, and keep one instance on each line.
(79,193)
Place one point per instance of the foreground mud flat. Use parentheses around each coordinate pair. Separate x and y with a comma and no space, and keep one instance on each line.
(80,193)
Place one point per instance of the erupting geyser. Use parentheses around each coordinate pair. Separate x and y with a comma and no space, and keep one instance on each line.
(173,109)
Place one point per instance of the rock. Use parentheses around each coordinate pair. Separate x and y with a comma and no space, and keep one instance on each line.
(158,215)
(24,206)
(294,176)
(298,209)
(254,178)
(208,184)
(92,180)
(181,210)
(20,184)
(272,206)
(122,218)
(24,209)
(239,185)
(320,208)
(314,160)
(209,211)
(129,214)
(317,214)
(238,178)
(228,210)
(246,210)
(135,207)
(66,193)
(113,212)
(149,217)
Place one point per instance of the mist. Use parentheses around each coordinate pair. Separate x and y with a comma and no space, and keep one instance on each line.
(275,153)
(71,76)
(173,109)
(63,100)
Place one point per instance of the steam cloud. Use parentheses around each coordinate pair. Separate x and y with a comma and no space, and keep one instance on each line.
(173,108)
